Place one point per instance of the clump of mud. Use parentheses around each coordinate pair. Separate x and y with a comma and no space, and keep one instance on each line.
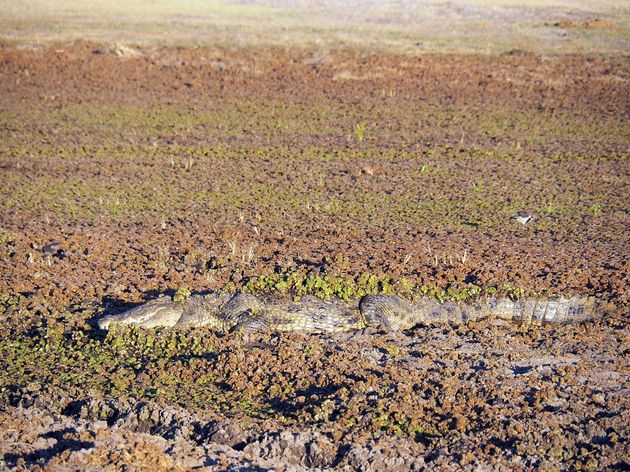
(166,438)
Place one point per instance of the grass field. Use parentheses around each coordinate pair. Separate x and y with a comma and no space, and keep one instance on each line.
(552,27)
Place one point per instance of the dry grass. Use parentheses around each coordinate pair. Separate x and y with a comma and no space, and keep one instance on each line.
(475,26)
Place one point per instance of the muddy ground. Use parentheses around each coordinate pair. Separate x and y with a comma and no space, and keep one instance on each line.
(127,174)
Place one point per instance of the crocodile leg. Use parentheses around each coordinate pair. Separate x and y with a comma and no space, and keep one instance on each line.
(204,311)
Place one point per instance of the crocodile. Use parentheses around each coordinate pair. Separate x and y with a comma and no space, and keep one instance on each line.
(246,312)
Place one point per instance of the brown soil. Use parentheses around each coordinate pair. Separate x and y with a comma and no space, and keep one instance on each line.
(589,24)
(125,177)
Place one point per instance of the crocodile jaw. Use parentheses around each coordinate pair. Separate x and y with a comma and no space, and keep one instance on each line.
(158,313)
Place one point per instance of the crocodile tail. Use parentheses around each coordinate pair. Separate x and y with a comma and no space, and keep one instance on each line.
(536,311)
(394,313)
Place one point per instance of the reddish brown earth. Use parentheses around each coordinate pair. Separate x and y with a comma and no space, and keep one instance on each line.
(229,169)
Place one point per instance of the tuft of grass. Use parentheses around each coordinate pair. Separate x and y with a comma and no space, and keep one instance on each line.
(360,131)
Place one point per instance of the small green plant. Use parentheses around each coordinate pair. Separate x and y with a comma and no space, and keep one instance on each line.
(424,169)
(360,131)
(549,209)
(479,186)
(596,209)
(392,349)
(115,208)
(405,286)
(182,294)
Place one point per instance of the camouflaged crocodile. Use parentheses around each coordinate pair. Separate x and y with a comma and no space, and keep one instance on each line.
(247,312)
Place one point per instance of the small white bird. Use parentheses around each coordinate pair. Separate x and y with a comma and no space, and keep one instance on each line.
(524,218)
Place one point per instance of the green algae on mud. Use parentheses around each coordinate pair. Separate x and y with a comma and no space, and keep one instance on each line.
(346,287)
(226,120)
(173,171)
